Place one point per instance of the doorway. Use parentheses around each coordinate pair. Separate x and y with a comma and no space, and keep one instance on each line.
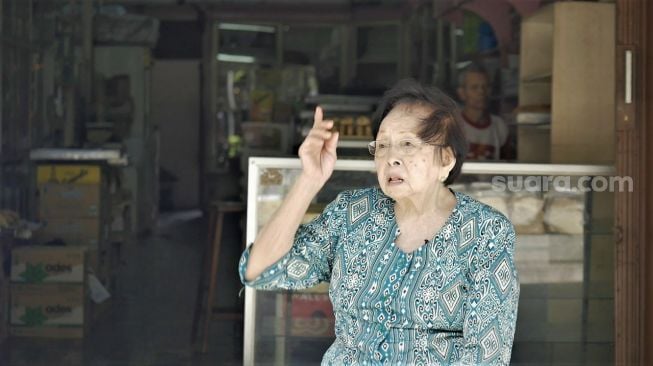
(176,109)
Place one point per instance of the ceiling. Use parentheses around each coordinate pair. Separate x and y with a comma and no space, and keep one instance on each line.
(266,2)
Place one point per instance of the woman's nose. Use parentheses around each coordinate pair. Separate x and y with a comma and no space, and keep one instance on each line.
(394,160)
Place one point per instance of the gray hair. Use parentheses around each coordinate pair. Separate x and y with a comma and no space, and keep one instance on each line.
(443,123)
(471,68)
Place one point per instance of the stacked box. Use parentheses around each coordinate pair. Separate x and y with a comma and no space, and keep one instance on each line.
(47,310)
(72,205)
(68,174)
(41,264)
(69,200)
(48,292)
(74,232)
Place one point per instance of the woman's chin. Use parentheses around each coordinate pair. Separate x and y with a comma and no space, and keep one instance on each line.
(395,190)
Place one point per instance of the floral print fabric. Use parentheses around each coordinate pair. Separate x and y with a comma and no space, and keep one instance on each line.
(452,301)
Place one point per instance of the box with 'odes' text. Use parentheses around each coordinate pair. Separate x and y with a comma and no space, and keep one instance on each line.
(47,310)
(44,264)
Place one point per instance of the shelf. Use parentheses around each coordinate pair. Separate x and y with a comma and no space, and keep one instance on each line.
(352,108)
(111,156)
(537,78)
(533,118)
(306,114)
(539,125)
(337,108)
(560,38)
(468,168)
(246,55)
(353,144)
(341,99)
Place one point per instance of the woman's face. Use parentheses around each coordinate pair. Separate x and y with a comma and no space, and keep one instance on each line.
(401,174)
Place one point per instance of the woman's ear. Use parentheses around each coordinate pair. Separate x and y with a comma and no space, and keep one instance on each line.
(448,158)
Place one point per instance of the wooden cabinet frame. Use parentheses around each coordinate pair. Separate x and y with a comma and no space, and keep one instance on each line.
(634,210)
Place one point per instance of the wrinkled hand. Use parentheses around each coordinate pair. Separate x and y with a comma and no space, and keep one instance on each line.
(318,151)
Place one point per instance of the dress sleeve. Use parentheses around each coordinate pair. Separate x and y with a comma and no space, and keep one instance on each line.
(492,299)
(311,256)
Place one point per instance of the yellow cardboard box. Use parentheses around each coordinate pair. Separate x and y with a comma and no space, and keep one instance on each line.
(47,310)
(41,264)
(69,200)
(76,174)
(74,232)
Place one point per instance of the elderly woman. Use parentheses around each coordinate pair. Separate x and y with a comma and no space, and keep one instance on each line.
(419,274)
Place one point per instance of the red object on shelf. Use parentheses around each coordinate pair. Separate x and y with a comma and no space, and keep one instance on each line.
(311,315)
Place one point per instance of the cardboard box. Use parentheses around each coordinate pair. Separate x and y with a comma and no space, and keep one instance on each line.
(41,264)
(66,174)
(69,200)
(47,310)
(74,232)
(311,315)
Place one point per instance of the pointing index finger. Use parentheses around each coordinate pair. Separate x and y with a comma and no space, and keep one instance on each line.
(317,119)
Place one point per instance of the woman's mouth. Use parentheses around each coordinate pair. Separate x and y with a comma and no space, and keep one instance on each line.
(395,180)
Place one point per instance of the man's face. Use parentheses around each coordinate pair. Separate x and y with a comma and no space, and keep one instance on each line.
(474,92)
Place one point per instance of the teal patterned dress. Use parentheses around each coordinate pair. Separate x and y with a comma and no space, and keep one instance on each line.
(453,301)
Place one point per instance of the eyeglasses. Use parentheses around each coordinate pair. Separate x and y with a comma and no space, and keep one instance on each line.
(406,147)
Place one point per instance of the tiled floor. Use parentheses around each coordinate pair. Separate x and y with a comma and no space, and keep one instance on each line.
(149,323)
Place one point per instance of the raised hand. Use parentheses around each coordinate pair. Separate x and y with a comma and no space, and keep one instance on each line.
(318,156)
(318,151)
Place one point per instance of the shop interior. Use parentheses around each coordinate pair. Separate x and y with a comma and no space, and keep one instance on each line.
(144,142)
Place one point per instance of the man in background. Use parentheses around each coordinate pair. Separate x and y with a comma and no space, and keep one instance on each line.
(487,134)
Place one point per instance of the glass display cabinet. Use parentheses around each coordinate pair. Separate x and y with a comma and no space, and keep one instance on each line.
(563,216)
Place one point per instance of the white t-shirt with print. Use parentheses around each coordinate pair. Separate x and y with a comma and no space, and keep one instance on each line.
(485,140)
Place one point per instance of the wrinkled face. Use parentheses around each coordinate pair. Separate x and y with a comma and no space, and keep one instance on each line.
(401,174)
(475,91)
